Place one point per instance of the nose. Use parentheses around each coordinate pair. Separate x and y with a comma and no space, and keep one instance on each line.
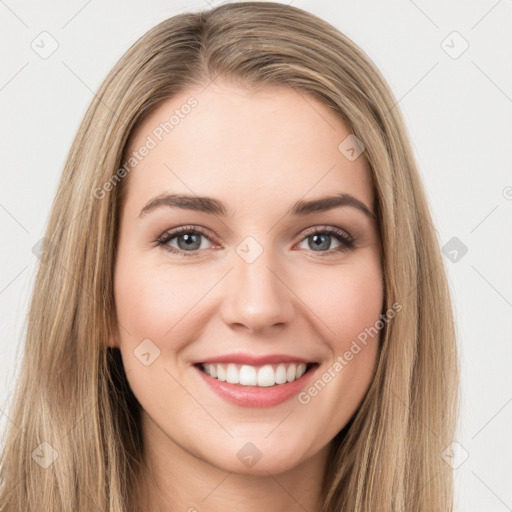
(256,295)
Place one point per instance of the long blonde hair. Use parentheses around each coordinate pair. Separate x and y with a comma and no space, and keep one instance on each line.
(73,408)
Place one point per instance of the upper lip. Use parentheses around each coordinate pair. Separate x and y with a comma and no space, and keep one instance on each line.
(254,360)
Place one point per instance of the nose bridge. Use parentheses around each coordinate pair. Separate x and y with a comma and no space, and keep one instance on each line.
(256,294)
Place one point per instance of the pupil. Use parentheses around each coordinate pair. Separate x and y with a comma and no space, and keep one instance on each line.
(189,241)
(192,241)
(323,245)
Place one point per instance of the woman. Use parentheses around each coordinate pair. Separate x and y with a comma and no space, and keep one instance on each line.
(242,300)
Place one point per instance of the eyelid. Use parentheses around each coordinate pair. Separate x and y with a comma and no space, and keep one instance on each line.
(172,233)
(347,239)
(326,228)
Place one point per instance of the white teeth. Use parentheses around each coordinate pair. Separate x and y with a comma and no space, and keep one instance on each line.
(232,374)
(291,373)
(248,376)
(221,373)
(264,376)
(281,374)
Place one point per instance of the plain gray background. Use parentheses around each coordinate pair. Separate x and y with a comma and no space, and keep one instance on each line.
(448,64)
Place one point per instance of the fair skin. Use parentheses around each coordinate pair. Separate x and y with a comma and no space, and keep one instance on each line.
(258,153)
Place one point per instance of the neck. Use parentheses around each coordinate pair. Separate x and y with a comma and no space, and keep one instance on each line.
(171,478)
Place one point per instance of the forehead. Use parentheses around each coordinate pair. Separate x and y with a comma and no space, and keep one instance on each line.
(232,142)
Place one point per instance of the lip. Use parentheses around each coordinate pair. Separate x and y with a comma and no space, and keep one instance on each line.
(254,360)
(256,396)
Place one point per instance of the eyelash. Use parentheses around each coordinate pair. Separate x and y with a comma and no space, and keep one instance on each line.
(347,242)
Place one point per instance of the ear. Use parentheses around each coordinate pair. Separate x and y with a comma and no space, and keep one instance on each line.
(111,343)
(113,340)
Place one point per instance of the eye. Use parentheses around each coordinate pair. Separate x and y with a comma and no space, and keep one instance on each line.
(189,240)
(320,238)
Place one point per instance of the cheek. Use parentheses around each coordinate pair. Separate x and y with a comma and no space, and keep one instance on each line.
(151,301)
(349,311)
(153,304)
(349,305)
(348,301)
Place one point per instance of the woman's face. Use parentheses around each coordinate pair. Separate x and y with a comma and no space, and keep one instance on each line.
(259,279)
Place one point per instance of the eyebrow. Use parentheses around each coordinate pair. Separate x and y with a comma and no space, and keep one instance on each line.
(213,206)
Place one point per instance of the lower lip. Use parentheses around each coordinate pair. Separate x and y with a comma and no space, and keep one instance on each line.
(256,396)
